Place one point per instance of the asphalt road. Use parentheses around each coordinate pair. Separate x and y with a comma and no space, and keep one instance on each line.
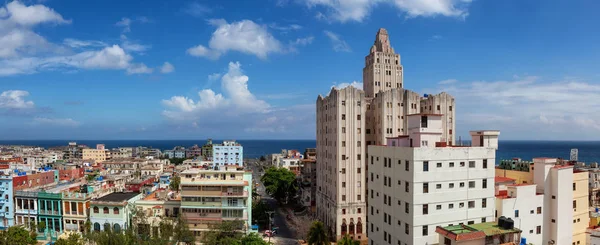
(285,235)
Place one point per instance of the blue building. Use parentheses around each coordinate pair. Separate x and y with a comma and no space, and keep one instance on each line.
(177,152)
(228,153)
(7,201)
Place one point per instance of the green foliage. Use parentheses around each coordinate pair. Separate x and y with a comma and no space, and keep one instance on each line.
(259,213)
(42,226)
(346,240)
(280,183)
(255,195)
(177,161)
(175,182)
(231,233)
(72,239)
(317,234)
(16,235)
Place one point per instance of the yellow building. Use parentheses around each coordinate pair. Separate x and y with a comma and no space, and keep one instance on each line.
(581,217)
(98,155)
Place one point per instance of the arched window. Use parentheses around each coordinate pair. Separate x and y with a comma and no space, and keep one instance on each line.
(106,226)
(116,227)
(105,210)
(116,210)
(344,227)
(96,210)
(359,227)
(351,226)
(96,226)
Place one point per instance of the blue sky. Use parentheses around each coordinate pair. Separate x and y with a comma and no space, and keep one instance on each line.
(74,69)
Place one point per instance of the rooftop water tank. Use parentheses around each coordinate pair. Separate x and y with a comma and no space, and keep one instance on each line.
(501,221)
(523,241)
(509,224)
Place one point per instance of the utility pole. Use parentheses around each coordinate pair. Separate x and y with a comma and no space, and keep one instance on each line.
(270,222)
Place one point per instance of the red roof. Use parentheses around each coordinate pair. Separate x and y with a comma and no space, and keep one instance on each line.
(500,179)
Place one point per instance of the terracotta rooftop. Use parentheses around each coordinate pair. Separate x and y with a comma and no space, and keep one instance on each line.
(500,179)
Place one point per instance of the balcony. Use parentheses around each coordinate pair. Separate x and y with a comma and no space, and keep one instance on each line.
(243,217)
(26,211)
(201,204)
(203,216)
(5,176)
(48,212)
(235,194)
(74,213)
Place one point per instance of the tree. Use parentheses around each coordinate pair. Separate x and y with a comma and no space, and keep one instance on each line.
(182,233)
(17,235)
(42,226)
(72,239)
(317,235)
(223,233)
(177,161)
(347,240)
(175,182)
(253,239)
(280,183)
(259,213)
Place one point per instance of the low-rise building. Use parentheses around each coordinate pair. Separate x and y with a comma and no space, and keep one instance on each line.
(99,155)
(26,208)
(113,210)
(228,153)
(75,210)
(193,152)
(210,196)
(480,234)
(50,213)
(7,207)
(524,206)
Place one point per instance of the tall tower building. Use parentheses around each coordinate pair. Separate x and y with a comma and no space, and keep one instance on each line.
(341,153)
(383,70)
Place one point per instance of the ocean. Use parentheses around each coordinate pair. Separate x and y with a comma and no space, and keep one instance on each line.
(589,151)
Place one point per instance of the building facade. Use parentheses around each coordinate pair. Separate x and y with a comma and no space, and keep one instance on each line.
(98,155)
(341,152)
(524,206)
(113,211)
(417,183)
(209,197)
(26,208)
(7,207)
(75,208)
(228,153)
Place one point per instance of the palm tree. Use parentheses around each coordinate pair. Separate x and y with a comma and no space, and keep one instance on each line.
(317,235)
(346,240)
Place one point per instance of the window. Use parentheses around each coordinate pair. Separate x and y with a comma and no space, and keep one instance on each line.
(406,165)
(425,209)
(574,203)
(438,207)
(343,211)
(462,164)
(439,164)
(471,204)
(471,164)
(484,184)
(96,210)
(358,143)
(426,166)
(451,185)
(343,184)
(451,164)
(343,130)
(406,228)
(461,205)
(343,170)
(343,143)
(423,121)
(425,231)
(482,220)
(343,157)
(425,187)
(484,203)
(450,108)
(438,107)
(538,229)
(358,170)
(539,210)
(574,186)
(406,207)
(553,221)
(343,116)
(484,163)
(358,117)
(470,222)
(451,205)
(471,184)
(343,198)
(105,210)
(438,186)
(358,157)
(115,210)
(406,186)
(516,213)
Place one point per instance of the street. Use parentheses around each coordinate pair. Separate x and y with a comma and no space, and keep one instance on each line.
(284,236)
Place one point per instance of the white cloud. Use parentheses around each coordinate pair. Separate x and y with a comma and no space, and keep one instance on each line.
(214,76)
(303,41)
(63,122)
(75,43)
(15,99)
(244,36)
(339,45)
(358,10)
(134,47)
(167,68)
(235,110)
(286,28)
(448,81)
(18,13)
(139,69)
(355,84)
(529,107)
(197,10)
(125,23)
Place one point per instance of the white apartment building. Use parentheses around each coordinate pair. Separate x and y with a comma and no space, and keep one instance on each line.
(341,150)
(524,206)
(417,183)
(228,153)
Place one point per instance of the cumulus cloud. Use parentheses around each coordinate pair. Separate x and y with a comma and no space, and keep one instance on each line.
(448,81)
(15,99)
(235,109)
(167,68)
(529,107)
(339,45)
(358,10)
(62,122)
(125,23)
(285,28)
(243,36)
(22,51)
(355,84)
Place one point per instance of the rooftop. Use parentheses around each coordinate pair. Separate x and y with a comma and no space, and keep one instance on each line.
(474,231)
(117,197)
(499,179)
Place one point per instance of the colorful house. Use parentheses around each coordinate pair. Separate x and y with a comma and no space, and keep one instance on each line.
(113,211)
(76,208)
(6,199)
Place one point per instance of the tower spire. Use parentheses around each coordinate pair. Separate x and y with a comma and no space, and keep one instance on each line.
(382,42)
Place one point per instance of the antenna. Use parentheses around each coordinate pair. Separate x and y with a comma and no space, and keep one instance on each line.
(574,154)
